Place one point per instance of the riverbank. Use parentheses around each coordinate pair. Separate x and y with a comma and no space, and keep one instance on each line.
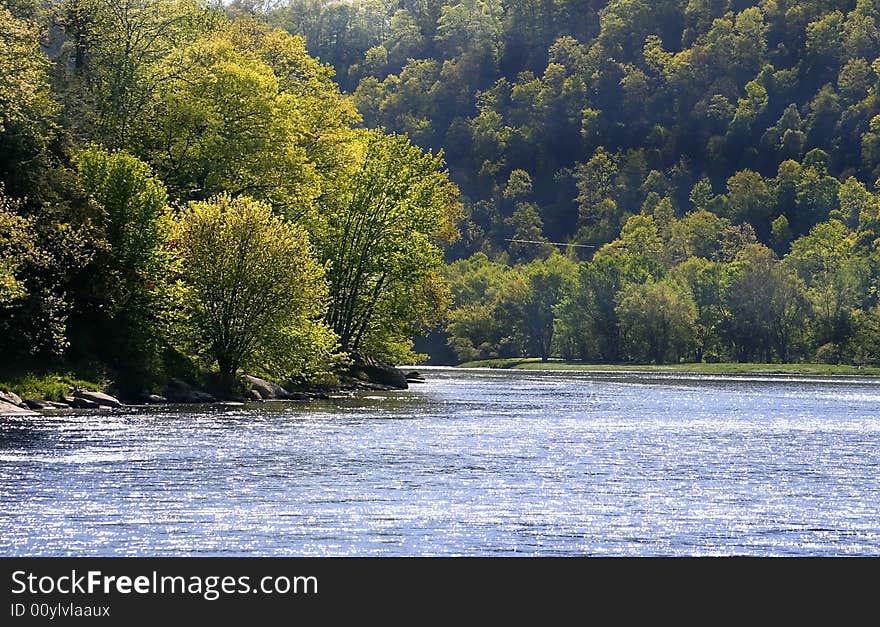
(28,393)
(691,368)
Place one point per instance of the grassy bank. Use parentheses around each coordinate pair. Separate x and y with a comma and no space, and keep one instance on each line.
(51,387)
(693,368)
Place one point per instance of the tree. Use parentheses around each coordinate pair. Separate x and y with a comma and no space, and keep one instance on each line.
(528,306)
(765,306)
(18,246)
(527,228)
(381,226)
(251,285)
(128,289)
(588,323)
(117,68)
(836,277)
(474,328)
(703,280)
(657,321)
(27,108)
(226,125)
(749,200)
(44,262)
(697,234)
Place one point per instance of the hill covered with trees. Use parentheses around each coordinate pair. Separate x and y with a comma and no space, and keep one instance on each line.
(720,156)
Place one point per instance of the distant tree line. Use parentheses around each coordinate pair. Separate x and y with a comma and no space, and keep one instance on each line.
(696,288)
(722,157)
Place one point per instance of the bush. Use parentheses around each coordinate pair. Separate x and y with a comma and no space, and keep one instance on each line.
(829,353)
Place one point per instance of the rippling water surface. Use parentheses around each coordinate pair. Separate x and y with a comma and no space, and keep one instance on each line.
(470,463)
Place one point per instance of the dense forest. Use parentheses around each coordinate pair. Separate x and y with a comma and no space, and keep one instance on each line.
(184,192)
(262,187)
(710,165)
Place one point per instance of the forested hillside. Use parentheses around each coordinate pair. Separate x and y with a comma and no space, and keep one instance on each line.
(703,139)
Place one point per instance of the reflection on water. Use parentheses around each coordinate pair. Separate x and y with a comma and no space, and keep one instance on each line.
(470,463)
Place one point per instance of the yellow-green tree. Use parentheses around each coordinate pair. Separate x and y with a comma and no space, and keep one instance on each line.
(657,321)
(128,288)
(383,221)
(252,290)
(27,108)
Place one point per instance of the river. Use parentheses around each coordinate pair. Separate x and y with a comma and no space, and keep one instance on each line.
(498,463)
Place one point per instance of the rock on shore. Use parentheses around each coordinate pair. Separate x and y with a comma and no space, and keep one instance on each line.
(378,371)
(8,409)
(266,389)
(98,398)
(177,391)
(12,398)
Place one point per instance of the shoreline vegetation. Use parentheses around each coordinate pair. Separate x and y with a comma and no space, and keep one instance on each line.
(193,191)
(29,393)
(535,363)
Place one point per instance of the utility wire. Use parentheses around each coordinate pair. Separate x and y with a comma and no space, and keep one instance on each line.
(533,241)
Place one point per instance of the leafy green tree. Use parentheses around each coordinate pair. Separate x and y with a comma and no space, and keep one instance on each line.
(765,304)
(27,108)
(817,197)
(45,263)
(836,277)
(251,287)
(527,229)
(382,223)
(704,281)
(597,208)
(527,307)
(474,328)
(588,326)
(749,200)
(117,67)
(780,231)
(18,245)
(129,291)
(697,234)
(657,321)
(227,125)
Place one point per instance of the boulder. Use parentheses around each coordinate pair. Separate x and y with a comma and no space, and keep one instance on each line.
(415,377)
(99,398)
(33,403)
(77,402)
(202,397)
(8,409)
(12,398)
(378,371)
(147,398)
(177,391)
(267,389)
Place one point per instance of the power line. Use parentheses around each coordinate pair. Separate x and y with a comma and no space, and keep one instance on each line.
(534,241)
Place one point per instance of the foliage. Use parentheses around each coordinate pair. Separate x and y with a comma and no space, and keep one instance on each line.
(252,290)
(656,321)
(27,107)
(126,301)
(53,387)
(382,221)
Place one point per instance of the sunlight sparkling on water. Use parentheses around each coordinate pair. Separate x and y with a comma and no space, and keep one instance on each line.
(470,463)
